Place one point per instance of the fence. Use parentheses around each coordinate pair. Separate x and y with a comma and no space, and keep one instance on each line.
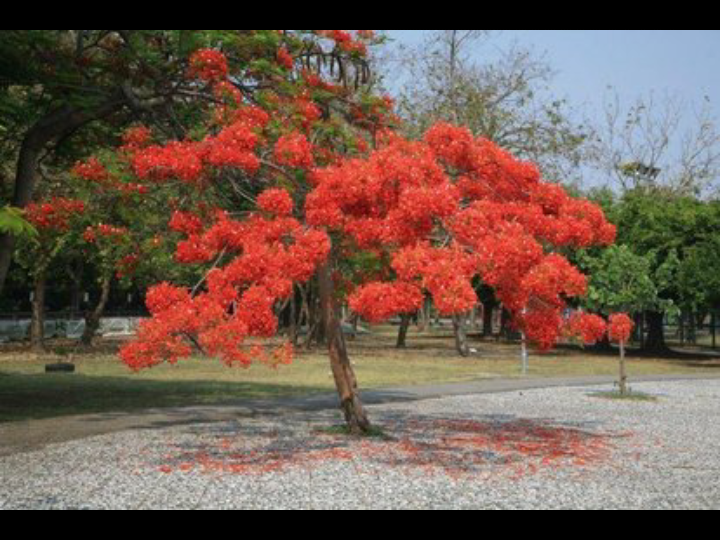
(679,332)
(17,327)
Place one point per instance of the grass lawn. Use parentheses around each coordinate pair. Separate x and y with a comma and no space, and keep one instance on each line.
(102,384)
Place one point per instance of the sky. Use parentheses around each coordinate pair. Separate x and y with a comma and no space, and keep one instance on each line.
(683,63)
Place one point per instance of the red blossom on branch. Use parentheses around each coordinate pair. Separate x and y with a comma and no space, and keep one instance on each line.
(276,202)
(54,215)
(208,65)
(295,151)
(269,255)
(590,328)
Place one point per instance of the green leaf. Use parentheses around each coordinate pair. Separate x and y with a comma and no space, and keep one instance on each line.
(13,223)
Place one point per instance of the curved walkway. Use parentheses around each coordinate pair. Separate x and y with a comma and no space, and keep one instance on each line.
(31,435)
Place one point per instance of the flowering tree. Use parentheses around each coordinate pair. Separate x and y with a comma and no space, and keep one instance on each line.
(325,177)
(592,329)
(54,222)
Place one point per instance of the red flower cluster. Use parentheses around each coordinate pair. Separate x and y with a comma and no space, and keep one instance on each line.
(277,202)
(378,302)
(294,150)
(127,265)
(285,59)
(541,326)
(103,231)
(136,138)
(590,328)
(621,328)
(176,160)
(307,111)
(186,223)
(54,215)
(346,41)
(99,176)
(233,147)
(92,171)
(208,65)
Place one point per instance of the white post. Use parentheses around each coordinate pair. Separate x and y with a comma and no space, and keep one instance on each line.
(525,356)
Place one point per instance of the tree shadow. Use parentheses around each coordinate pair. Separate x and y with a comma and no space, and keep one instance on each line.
(41,396)
(490,445)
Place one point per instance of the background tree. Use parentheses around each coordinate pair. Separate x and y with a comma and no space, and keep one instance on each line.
(56,223)
(504,97)
(669,233)
(123,222)
(658,144)
(65,93)
(620,281)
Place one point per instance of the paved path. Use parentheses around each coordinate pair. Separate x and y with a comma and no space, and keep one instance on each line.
(26,436)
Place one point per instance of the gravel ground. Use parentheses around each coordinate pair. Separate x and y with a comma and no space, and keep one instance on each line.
(539,449)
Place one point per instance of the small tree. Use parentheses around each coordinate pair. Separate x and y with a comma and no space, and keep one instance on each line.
(622,281)
(55,221)
(620,330)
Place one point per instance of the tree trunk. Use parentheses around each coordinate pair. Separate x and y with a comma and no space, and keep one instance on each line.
(37,325)
(403,332)
(461,342)
(342,369)
(7,248)
(76,278)
(92,319)
(505,328)
(25,179)
(316,317)
(293,327)
(692,329)
(488,314)
(656,333)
